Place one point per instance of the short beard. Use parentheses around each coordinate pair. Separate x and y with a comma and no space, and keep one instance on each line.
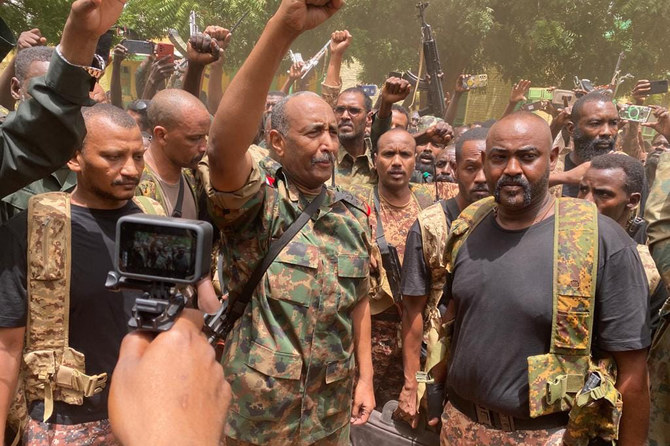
(530,191)
(586,148)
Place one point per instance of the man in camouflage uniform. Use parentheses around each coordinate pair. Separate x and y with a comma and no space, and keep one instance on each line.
(108,169)
(506,319)
(180,123)
(657,214)
(421,267)
(30,63)
(290,357)
(399,204)
(355,157)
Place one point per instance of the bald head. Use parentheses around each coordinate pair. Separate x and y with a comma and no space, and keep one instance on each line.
(521,125)
(396,136)
(168,107)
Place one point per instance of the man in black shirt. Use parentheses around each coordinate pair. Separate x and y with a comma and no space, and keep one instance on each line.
(594,128)
(416,277)
(108,169)
(502,285)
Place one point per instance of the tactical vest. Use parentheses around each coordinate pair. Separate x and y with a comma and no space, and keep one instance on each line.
(51,370)
(556,379)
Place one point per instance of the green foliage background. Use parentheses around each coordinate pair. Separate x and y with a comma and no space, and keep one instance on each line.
(547,41)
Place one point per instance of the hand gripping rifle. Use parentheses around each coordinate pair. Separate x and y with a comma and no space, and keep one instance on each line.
(433,82)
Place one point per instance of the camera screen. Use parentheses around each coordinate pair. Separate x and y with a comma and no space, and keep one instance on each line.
(167,252)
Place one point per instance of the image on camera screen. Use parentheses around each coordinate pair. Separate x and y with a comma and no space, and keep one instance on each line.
(166,252)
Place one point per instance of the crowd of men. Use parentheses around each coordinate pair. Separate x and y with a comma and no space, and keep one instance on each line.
(493,283)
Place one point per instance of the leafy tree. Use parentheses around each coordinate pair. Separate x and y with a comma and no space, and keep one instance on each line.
(547,41)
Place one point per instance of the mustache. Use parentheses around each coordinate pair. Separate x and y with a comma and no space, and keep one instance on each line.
(444,178)
(134,181)
(326,157)
(480,188)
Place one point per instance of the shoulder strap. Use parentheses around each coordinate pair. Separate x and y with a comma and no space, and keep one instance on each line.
(237,305)
(48,271)
(176,212)
(461,228)
(381,240)
(650,269)
(575,269)
(148,205)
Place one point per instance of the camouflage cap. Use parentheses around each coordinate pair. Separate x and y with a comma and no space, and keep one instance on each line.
(428,121)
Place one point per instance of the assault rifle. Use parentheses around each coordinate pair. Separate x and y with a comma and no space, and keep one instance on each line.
(433,81)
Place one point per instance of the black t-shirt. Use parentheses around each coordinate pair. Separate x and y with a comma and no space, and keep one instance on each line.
(570,190)
(98,317)
(415,274)
(502,287)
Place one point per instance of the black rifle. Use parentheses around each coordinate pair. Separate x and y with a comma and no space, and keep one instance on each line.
(389,253)
(433,83)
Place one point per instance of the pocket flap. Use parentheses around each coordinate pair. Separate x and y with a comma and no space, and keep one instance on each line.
(301,254)
(272,363)
(337,370)
(353,266)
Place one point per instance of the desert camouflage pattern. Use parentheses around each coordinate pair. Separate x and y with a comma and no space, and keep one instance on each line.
(289,358)
(149,186)
(659,378)
(330,93)
(359,170)
(51,369)
(445,190)
(459,430)
(96,433)
(650,270)
(387,357)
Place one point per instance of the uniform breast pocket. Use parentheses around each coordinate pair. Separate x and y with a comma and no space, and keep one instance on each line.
(293,275)
(352,274)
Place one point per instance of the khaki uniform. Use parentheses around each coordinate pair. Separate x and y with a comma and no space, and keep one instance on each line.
(149,186)
(290,357)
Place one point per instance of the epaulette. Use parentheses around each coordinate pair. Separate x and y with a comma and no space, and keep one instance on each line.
(347,197)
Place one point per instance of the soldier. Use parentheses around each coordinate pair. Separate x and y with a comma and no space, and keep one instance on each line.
(355,163)
(45,130)
(291,354)
(77,324)
(529,246)
(422,266)
(396,205)
(31,63)
(180,124)
(657,214)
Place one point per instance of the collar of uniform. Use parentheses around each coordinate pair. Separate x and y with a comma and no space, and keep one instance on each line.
(342,154)
(287,188)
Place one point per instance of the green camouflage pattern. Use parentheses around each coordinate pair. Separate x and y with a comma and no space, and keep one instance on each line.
(150,187)
(595,413)
(290,358)
(657,214)
(359,170)
(428,121)
(658,365)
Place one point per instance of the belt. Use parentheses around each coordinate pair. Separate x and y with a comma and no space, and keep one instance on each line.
(497,420)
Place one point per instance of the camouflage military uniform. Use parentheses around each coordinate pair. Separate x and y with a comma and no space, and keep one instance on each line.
(150,187)
(657,214)
(386,349)
(359,170)
(96,433)
(290,357)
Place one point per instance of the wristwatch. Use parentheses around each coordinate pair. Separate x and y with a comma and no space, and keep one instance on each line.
(95,72)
